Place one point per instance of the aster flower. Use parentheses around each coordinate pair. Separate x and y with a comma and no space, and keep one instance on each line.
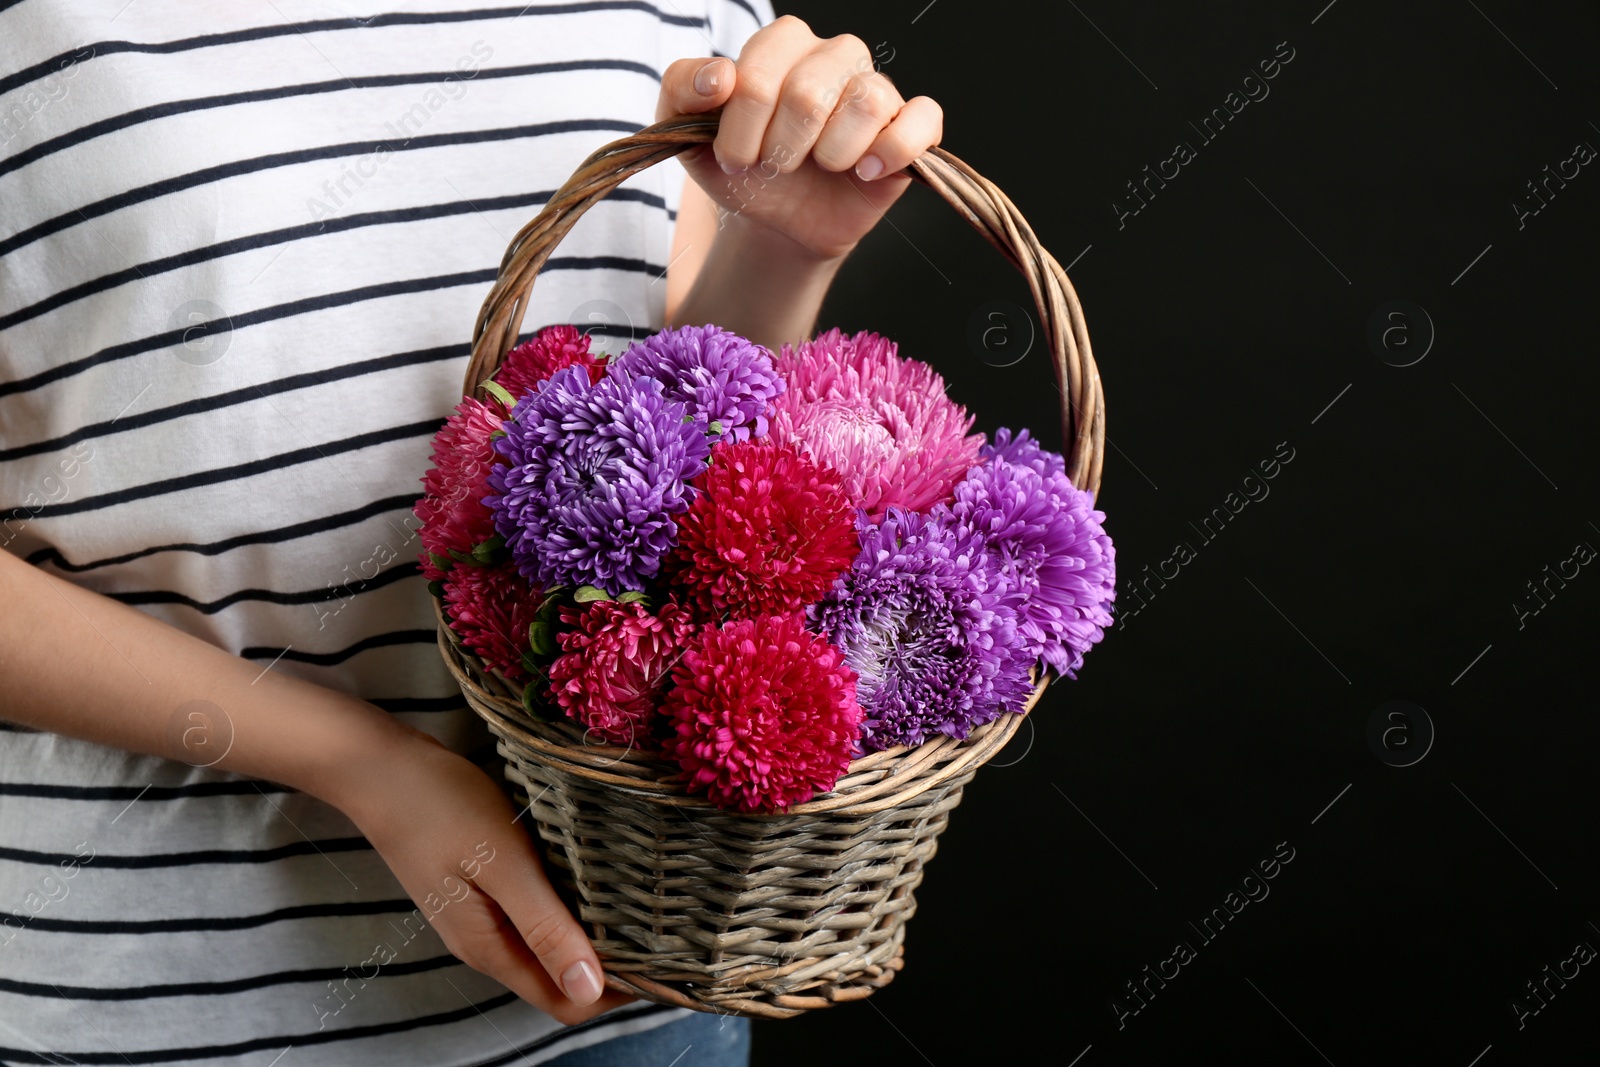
(616,664)
(1052,559)
(920,621)
(490,609)
(764,713)
(596,472)
(767,533)
(454,518)
(537,359)
(1023,451)
(882,421)
(725,379)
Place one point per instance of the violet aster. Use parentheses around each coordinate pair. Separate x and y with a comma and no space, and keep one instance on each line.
(1052,559)
(596,474)
(932,642)
(722,377)
(1023,451)
(881,420)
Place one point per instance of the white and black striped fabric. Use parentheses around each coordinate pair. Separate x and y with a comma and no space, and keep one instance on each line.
(241,250)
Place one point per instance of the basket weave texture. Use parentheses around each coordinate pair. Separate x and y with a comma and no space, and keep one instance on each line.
(762,915)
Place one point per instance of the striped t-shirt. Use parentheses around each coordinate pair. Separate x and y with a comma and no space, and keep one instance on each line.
(241,251)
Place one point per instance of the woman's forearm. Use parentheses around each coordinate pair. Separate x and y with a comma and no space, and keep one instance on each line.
(74,662)
(759,284)
(77,663)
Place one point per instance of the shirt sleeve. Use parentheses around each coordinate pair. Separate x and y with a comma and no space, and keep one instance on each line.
(731,22)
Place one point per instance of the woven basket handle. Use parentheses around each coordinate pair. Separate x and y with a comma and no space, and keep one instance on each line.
(980,202)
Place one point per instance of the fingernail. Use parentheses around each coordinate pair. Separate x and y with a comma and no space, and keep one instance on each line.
(729,168)
(582,985)
(869,168)
(708,79)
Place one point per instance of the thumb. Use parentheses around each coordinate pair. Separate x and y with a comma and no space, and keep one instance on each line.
(549,930)
(692,86)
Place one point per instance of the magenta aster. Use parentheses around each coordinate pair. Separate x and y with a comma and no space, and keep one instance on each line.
(454,517)
(537,359)
(882,421)
(490,609)
(765,714)
(615,664)
(767,533)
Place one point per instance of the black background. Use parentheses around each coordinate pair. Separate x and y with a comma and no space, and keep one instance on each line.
(1226,716)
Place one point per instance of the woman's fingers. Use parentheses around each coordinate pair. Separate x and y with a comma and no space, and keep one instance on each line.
(692,86)
(482,936)
(871,103)
(544,926)
(818,87)
(918,127)
(764,65)
(793,95)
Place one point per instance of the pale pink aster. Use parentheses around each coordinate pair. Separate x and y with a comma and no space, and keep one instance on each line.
(882,421)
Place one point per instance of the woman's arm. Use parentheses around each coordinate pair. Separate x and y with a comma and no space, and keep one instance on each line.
(807,158)
(77,663)
(746,278)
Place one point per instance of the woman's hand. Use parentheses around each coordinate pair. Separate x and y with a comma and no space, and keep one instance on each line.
(452,839)
(811,138)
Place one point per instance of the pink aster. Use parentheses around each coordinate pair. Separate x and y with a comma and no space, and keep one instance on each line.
(767,533)
(616,664)
(490,609)
(881,420)
(537,359)
(454,517)
(764,713)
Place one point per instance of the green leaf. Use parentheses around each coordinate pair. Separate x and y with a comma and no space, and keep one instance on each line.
(551,602)
(542,631)
(530,664)
(588,594)
(495,435)
(498,391)
(534,706)
(541,637)
(716,426)
(485,551)
(688,418)
(439,561)
(461,558)
(634,594)
(437,589)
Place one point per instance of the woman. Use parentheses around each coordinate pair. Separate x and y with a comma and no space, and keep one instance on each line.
(242,812)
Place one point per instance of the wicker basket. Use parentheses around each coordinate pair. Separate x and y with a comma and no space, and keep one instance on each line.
(760,915)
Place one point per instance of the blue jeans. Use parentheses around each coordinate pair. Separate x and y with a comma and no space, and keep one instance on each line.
(709,1041)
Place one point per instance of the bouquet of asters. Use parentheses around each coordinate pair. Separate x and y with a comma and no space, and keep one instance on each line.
(761,566)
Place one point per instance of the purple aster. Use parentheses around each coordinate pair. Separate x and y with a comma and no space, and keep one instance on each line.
(722,377)
(596,474)
(1052,558)
(1024,452)
(930,638)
